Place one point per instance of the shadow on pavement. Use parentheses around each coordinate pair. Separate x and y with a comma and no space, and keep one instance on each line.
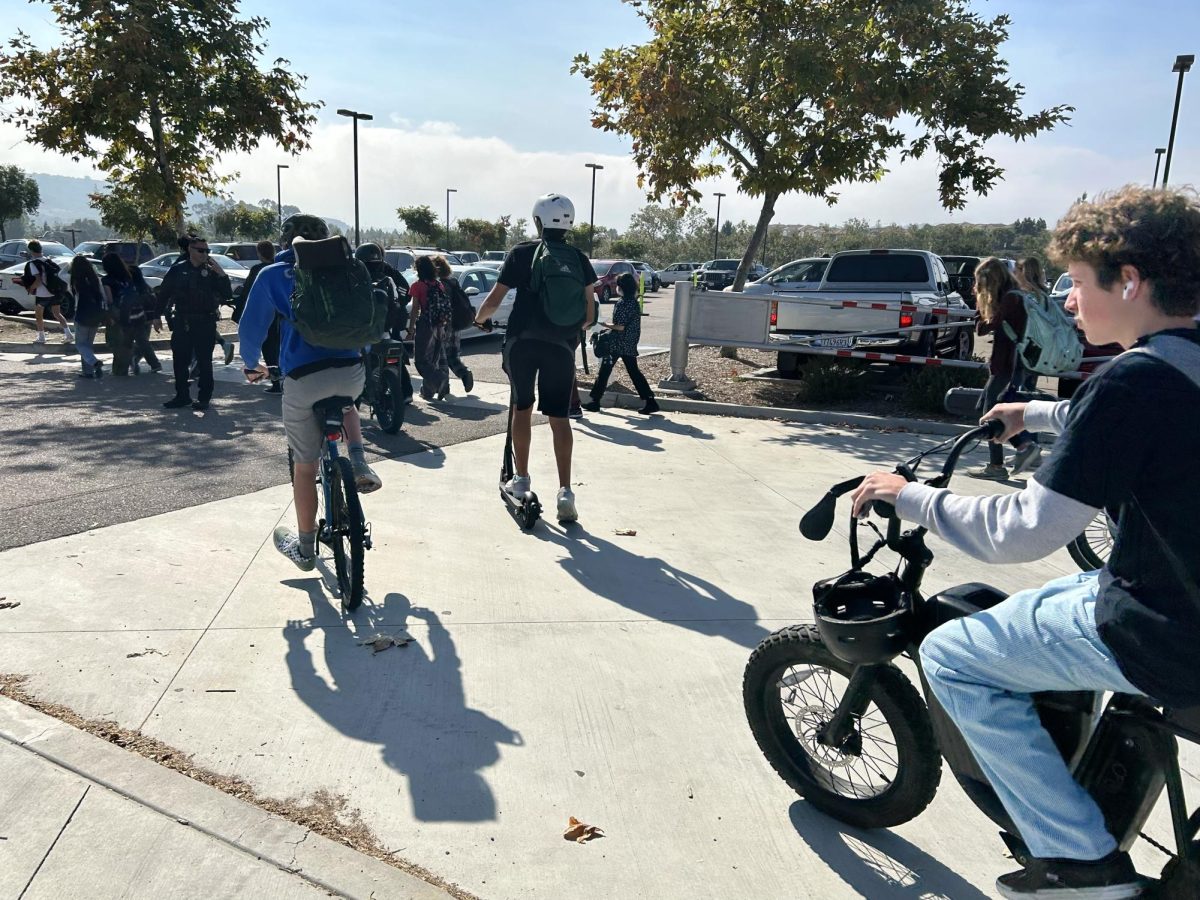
(881,449)
(408,700)
(623,437)
(878,864)
(653,587)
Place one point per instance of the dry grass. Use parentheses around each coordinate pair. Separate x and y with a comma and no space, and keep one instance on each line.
(324,813)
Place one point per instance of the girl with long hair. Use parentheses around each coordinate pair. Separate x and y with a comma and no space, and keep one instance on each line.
(89,314)
(129,301)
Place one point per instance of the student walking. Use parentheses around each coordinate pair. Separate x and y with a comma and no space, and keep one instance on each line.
(39,277)
(89,314)
(270,347)
(458,301)
(431,329)
(128,299)
(627,330)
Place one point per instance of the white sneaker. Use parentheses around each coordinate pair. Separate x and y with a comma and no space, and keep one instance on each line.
(566,505)
(518,486)
(68,336)
(288,543)
(41,338)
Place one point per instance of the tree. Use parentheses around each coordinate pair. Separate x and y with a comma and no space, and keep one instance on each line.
(135,206)
(19,196)
(421,221)
(805,96)
(480,234)
(150,88)
(245,222)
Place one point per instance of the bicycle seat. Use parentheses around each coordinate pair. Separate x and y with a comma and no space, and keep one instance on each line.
(330,410)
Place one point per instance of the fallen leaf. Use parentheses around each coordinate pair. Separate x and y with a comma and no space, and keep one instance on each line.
(147,652)
(386,642)
(580,833)
(625,532)
(12,604)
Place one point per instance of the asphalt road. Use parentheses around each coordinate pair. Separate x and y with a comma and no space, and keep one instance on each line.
(81,454)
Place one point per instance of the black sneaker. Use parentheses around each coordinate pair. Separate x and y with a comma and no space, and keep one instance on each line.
(229,350)
(650,408)
(468,381)
(199,405)
(178,403)
(1110,878)
(594,406)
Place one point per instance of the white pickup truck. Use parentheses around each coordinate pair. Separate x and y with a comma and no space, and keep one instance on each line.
(857,279)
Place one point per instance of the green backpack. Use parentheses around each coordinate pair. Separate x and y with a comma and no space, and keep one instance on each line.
(334,303)
(557,279)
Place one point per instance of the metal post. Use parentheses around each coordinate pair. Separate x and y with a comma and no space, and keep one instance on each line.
(681,319)
(717,230)
(592,217)
(356,116)
(1158,153)
(449,191)
(279,192)
(1183,65)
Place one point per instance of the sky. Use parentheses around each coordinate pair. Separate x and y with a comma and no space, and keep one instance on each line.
(478,96)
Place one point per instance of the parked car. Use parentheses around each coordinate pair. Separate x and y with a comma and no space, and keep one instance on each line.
(653,282)
(17,251)
(468,257)
(680,271)
(914,277)
(1061,288)
(607,272)
(496,264)
(718,274)
(798,275)
(156,269)
(133,252)
(494,255)
(477,282)
(401,258)
(14,299)
(245,252)
(961,270)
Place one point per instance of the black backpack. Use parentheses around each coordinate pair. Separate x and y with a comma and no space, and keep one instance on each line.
(129,304)
(462,312)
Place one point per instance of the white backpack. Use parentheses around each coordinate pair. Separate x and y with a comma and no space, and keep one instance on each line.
(1050,345)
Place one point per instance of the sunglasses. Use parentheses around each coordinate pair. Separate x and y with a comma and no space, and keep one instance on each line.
(201,249)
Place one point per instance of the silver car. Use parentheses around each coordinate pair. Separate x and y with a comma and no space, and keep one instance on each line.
(798,275)
(476,282)
(680,271)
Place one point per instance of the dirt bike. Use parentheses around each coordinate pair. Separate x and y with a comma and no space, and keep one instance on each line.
(848,731)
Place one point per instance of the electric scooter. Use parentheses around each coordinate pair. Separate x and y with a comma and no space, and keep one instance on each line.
(526,511)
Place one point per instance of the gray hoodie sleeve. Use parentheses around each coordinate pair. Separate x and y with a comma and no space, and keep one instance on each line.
(999,528)
(1047,415)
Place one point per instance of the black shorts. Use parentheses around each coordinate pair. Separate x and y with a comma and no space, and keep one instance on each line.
(48,302)
(551,366)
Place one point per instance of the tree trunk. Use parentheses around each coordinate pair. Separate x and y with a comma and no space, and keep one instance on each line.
(760,231)
(170,188)
(3,236)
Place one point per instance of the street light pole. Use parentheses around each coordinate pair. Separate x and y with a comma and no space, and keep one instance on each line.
(356,116)
(1158,152)
(717,230)
(1183,65)
(449,191)
(592,217)
(279,192)
(72,232)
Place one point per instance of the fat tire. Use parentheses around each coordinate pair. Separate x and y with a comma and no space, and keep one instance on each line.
(1083,554)
(388,404)
(1180,878)
(346,525)
(920,762)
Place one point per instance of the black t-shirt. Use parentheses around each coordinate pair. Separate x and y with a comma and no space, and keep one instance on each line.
(527,318)
(1131,447)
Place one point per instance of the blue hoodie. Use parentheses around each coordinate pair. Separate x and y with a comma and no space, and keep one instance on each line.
(271,294)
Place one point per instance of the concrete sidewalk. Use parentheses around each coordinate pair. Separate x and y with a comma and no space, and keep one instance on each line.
(571,671)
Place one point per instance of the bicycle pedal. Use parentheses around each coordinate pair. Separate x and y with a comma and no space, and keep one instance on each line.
(367,543)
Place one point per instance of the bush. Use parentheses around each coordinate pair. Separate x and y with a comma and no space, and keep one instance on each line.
(925,387)
(824,380)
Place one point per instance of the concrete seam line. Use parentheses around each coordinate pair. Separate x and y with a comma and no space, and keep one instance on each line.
(154,807)
(54,843)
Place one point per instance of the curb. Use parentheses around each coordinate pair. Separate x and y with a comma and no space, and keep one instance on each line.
(238,825)
(807,416)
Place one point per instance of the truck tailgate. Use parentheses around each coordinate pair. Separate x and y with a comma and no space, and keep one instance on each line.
(823,312)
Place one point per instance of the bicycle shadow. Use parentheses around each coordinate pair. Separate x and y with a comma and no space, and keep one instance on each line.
(415,709)
(878,864)
(653,587)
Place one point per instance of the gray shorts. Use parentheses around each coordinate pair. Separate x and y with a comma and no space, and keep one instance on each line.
(300,423)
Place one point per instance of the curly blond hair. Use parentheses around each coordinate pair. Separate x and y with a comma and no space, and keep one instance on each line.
(1156,231)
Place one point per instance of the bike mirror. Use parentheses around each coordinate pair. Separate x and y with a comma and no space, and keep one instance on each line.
(817,521)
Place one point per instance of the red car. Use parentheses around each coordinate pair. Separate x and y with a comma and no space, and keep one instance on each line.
(607,272)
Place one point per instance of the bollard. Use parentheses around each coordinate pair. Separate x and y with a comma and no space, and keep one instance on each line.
(681,320)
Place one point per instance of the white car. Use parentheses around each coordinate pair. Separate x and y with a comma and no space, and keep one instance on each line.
(156,269)
(680,271)
(14,299)
(477,282)
(797,276)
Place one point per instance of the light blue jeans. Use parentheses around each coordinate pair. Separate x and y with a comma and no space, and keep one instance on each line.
(85,343)
(983,670)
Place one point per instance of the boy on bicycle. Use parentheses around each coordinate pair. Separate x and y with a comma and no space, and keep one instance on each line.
(309,374)
(1128,444)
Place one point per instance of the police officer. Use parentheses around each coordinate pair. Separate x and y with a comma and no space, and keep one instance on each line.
(193,291)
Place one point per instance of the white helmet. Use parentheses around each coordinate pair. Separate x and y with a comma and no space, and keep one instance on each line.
(554,211)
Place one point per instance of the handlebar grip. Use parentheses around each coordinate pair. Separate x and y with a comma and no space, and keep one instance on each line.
(994,427)
(883,509)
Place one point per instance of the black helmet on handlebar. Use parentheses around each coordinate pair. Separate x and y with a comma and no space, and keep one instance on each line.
(864,619)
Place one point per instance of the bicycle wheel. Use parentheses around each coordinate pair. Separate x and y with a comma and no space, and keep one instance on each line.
(1092,548)
(388,402)
(346,535)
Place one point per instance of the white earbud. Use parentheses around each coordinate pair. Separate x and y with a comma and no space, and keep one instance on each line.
(1128,289)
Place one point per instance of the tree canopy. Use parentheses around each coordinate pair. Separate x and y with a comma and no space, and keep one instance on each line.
(19,196)
(154,90)
(806,96)
(421,221)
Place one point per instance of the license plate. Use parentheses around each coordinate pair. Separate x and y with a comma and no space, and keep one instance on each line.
(838,343)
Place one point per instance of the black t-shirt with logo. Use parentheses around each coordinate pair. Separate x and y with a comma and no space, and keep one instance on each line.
(527,319)
(1132,447)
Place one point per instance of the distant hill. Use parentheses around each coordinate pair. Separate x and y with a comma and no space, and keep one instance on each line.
(65,199)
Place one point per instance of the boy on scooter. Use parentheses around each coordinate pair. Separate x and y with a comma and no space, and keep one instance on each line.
(1128,443)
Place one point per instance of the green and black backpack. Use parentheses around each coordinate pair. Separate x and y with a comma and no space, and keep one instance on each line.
(334,303)
(558,280)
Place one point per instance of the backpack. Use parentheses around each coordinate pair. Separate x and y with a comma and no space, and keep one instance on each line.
(334,304)
(441,310)
(1050,345)
(385,292)
(557,279)
(604,345)
(51,278)
(463,313)
(129,304)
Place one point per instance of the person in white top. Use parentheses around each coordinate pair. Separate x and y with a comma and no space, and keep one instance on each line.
(43,296)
